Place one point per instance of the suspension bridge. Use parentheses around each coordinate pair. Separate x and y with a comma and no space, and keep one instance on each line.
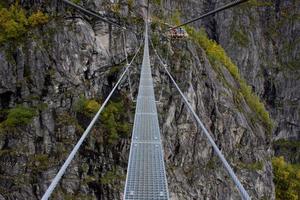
(146,175)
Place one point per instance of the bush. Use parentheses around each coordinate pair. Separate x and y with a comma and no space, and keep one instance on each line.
(85,106)
(286,179)
(19,116)
(14,22)
(111,177)
(37,19)
(217,54)
(76,1)
(113,118)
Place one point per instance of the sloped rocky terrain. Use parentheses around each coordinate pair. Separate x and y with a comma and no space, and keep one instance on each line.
(55,76)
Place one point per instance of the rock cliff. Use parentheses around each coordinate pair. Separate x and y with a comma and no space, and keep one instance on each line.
(56,75)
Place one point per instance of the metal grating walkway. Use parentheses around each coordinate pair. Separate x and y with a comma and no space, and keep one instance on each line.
(146,176)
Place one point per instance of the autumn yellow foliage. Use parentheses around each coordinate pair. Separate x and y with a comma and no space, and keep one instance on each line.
(37,19)
(14,22)
(286,179)
(217,54)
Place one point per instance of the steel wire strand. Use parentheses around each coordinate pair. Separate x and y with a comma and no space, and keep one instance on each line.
(244,194)
(67,162)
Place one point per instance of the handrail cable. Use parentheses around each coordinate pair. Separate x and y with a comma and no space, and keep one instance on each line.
(92,14)
(244,194)
(84,135)
(235,3)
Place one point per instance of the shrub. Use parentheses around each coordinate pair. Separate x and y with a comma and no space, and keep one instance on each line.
(19,116)
(286,179)
(113,176)
(14,22)
(175,18)
(217,54)
(37,19)
(85,106)
(130,4)
(113,118)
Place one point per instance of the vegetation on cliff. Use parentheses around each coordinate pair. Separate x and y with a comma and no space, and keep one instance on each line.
(15,22)
(18,116)
(286,179)
(217,55)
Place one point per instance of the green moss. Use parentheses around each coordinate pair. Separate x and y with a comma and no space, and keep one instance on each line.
(76,1)
(175,18)
(287,143)
(240,37)
(111,177)
(18,116)
(114,70)
(251,166)
(217,55)
(290,149)
(8,152)
(61,193)
(211,164)
(257,3)
(65,119)
(157,2)
(67,196)
(286,179)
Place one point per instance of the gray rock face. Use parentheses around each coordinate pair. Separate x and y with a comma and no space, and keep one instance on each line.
(75,57)
(194,171)
(262,37)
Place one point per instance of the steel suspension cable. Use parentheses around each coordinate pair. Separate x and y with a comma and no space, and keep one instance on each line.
(84,135)
(235,3)
(244,194)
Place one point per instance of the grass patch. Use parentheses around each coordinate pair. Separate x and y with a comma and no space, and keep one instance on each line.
(217,55)
(286,179)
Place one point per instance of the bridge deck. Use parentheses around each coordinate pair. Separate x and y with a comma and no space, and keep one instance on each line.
(146,177)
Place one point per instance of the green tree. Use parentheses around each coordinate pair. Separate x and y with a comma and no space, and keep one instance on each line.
(14,23)
(286,179)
